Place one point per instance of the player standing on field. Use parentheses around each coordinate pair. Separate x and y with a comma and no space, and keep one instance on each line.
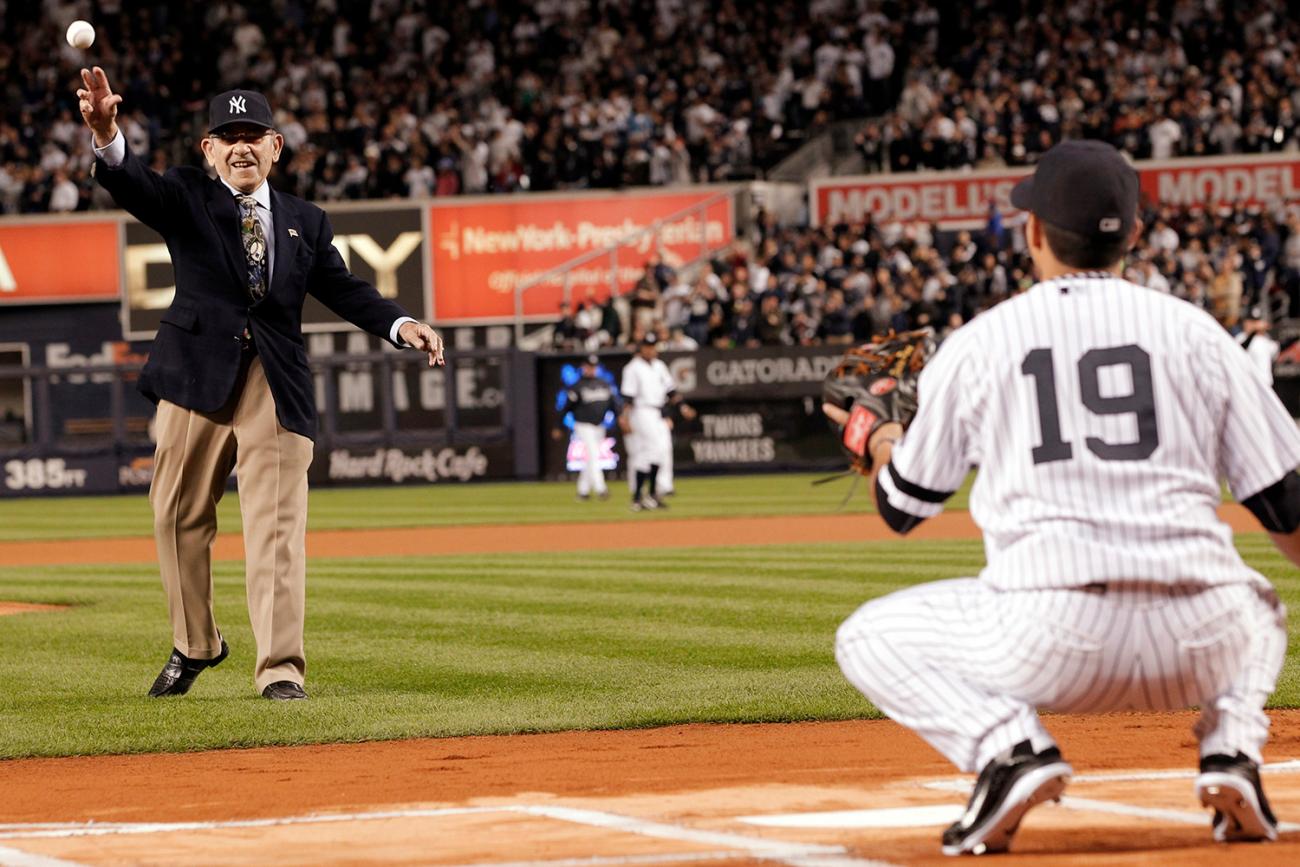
(591,399)
(1102,416)
(648,394)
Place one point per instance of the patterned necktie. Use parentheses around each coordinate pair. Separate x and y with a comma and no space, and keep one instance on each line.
(250,230)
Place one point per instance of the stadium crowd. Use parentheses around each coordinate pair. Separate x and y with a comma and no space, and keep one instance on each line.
(843,284)
(398,98)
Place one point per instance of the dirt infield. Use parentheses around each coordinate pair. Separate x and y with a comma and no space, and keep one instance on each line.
(806,795)
(517,538)
(685,794)
(26,607)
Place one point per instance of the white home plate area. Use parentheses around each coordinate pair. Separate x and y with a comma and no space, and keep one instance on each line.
(1122,817)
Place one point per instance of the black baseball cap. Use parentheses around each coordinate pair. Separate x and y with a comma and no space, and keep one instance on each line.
(593,360)
(650,339)
(239,107)
(1082,186)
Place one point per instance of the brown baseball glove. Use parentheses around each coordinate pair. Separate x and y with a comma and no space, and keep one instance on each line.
(875,384)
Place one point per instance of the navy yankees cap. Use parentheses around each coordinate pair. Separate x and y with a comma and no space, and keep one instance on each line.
(239,107)
(650,339)
(593,360)
(1082,186)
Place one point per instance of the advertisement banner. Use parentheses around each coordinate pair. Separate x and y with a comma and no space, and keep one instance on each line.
(480,251)
(954,200)
(384,246)
(775,433)
(963,200)
(128,470)
(419,392)
(757,409)
(1268,181)
(80,408)
(789,371)
(51,263)
(392,465)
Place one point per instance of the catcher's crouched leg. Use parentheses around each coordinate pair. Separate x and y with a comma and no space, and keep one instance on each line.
(924,657)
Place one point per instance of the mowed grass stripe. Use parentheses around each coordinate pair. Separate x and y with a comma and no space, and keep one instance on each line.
(403,647)
(459,645)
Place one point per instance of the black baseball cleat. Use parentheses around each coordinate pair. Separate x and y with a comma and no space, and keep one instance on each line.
(1230,786)
(1005,790)
(179,673)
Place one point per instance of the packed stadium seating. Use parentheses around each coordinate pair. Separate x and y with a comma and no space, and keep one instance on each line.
(399,98)
(395,98)
(844,283)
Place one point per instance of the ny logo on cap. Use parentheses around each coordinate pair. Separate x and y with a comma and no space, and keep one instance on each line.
(237,105)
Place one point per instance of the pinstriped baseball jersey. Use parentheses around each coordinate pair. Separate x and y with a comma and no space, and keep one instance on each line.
(647,382)
(1102,416)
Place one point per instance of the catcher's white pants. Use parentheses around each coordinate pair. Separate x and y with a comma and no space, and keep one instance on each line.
(591,480)
(966,665)
(651,442)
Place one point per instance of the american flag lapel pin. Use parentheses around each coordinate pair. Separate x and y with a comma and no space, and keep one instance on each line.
(293,233)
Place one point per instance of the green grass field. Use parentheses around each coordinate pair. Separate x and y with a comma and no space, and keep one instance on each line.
(402,647)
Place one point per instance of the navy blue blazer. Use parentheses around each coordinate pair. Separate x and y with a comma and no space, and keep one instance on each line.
(195,359)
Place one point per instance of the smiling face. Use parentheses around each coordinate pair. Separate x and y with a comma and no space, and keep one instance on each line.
(243,154)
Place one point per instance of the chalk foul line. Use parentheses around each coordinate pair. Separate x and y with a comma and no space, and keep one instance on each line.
(739,845)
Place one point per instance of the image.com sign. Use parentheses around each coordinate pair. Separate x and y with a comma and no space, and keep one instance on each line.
(963,200)
(481,250)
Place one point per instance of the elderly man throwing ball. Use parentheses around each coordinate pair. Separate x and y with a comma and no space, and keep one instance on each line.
(229,372)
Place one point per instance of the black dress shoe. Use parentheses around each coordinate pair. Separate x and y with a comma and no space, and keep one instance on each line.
(284,690)
(178,674)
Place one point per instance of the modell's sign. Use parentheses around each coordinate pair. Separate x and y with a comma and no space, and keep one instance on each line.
(964,200)
(1267,181)
(45,262)
(481,251)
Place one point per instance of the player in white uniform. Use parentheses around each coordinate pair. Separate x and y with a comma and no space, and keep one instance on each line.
(648,390)
(1101,416)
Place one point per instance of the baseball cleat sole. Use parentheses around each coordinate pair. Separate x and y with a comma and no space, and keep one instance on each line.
(1237,813)
(994,835)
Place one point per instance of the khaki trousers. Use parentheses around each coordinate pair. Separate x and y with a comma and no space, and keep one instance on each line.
(196,452)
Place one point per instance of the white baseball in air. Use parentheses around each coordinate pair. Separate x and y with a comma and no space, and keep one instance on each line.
(80,34)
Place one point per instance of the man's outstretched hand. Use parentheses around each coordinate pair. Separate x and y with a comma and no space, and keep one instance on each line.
(98,104)
(423,338)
